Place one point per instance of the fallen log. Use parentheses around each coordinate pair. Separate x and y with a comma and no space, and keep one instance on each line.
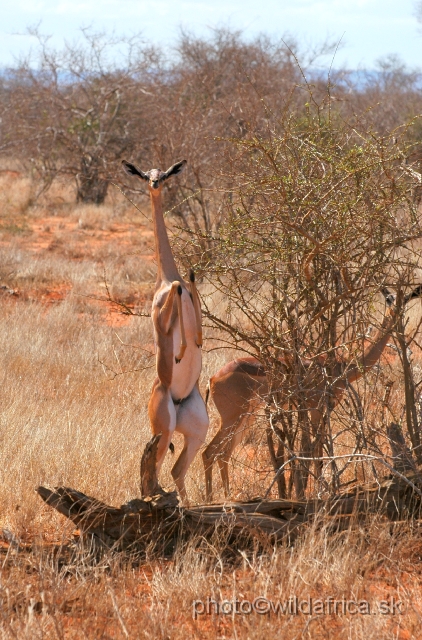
(158,518)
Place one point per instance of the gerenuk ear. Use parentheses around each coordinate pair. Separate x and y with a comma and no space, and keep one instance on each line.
(174,170)
(134,171)
(416,293)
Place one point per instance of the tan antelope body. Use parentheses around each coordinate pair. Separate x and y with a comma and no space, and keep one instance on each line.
(175,403)
(241,385)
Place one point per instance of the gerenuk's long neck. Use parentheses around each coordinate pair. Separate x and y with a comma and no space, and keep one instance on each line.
(167,269)
(374,353)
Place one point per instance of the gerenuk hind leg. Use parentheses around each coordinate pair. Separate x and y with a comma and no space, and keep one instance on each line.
(192,422)
(162,416)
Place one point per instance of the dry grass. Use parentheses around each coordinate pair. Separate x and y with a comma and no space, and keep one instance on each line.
(45,598)
(75,380)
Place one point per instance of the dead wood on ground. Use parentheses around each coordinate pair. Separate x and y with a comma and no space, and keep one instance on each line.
(157,517)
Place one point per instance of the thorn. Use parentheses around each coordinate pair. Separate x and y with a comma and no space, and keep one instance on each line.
(177,360)
(192,275)
(179,290)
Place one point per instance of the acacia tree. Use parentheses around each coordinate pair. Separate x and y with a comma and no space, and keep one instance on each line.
(74,112)
(201,96)
(321,214)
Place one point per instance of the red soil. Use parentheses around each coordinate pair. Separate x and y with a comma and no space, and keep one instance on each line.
(64,237)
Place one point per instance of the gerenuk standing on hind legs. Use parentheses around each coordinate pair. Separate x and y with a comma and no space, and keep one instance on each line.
(175,403)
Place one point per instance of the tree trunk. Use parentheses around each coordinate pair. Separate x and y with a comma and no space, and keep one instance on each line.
(277,459)
(91,187)
(409,391)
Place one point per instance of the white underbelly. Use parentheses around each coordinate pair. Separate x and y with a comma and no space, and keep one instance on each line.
(187,371)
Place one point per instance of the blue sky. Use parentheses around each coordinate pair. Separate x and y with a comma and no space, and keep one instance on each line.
(369,29)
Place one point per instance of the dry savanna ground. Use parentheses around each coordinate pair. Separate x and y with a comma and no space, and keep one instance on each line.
(75,380)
